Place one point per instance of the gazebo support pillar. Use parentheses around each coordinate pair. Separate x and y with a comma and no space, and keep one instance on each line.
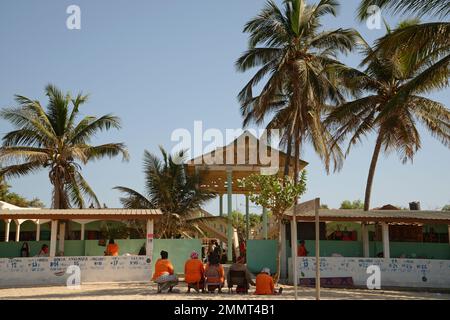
(247,217)
(7,226)
(220,205)
(385,233)
(264,221)
(229,208)
(365,239)
(54,231)
(149,241)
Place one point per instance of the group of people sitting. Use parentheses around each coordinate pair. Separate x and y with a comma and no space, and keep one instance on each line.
(211,276)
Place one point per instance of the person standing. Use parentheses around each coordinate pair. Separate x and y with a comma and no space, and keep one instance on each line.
(112,249)
(301,251)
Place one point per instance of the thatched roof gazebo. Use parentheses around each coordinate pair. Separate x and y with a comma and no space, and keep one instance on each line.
(222,168)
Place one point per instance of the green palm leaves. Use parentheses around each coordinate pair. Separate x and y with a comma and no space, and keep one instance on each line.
(169,188)
(52,138)
(298,71)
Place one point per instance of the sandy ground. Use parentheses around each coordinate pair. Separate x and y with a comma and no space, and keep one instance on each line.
(146,291)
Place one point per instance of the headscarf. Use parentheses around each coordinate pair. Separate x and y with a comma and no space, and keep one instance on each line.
(265,270)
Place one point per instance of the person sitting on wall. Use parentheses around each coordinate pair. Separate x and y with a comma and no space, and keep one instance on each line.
(265,285)
(240,266)
(194,272)
(164,273)
(43,252)
(112,249)
(301,251)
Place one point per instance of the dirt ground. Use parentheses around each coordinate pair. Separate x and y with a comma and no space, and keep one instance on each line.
(146,291)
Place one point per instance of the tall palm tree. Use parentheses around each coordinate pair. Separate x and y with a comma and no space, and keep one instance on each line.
(170,189)
(52,139)
(440,8)
(297,63)
(393,104)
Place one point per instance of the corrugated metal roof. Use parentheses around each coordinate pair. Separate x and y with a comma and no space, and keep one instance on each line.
(375,215)
(80,214)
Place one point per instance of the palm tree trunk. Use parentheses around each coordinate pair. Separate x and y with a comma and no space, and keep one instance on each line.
(288,157)
(373,165)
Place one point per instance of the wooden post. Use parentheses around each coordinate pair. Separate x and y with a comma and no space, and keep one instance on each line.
(220,205)
(149,235)
(247,217)
(283,259)
(294,251)
(265,221)
(317,221)
(54,231)
(230,210)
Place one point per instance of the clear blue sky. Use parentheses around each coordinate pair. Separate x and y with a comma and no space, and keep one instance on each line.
(161,65)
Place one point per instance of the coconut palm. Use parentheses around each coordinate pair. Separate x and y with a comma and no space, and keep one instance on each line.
(297,62)
(438,8)
(429,41)
(170,189)
(394,85)
(52,139)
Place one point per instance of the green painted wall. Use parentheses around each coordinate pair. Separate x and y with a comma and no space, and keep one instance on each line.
(179,251)
(12,249)
(355,249)
(261,254)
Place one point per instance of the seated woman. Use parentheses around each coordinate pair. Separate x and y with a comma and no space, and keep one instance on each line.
(194,272)
(214,273)
(239,266)
(264,283)
(164,273)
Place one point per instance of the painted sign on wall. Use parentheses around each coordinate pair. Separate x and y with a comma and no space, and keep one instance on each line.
(414,273)
(53,271)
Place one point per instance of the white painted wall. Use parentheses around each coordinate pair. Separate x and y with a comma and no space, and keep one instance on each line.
(52,271)
(413,273)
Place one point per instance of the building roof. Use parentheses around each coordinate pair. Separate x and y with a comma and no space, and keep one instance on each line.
(6,205)
(243,157)
(389,216)
(70,214)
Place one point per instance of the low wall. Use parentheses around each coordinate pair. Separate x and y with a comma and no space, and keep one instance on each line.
(410,273)
(52,271)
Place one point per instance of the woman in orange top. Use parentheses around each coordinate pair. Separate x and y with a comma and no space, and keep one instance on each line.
(112,249)
(164,273)
(264,283)
(194,271)
(214,273)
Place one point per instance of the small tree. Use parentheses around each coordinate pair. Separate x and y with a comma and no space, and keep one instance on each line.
(348,205)
(276,194)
